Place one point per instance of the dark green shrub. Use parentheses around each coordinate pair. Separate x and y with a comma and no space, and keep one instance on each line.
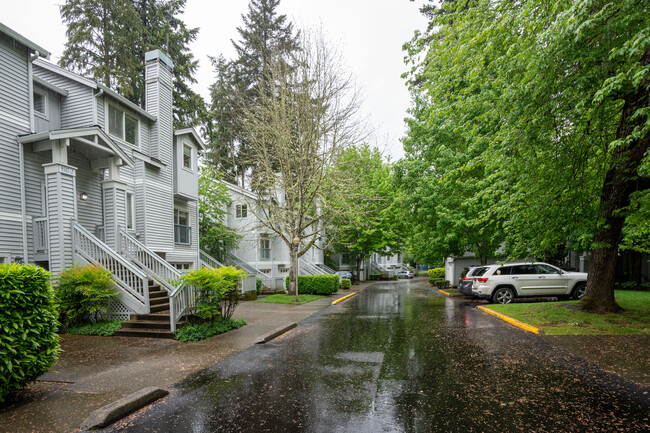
(101,327)
(374,276)
(316,284)
(191,333)
(217,294)
(29,345)
(346,283)
(83,292)
(443,284)
(258,286)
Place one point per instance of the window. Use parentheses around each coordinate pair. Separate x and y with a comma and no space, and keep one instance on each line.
(182,229)
(187,156)
(122,125)
(523,270)
(183,266)
(345,258)
(40,102)
(241,211)
(504,270)
(545,269)
(130,214)
(265,248)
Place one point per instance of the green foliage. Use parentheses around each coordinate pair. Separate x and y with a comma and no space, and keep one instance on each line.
(215,236)
(83,292)
(191,333)
(29,345)
(316,284)
(101,327)
(436,273)
(281,298)
(258,286)
(217,290)
(346,283)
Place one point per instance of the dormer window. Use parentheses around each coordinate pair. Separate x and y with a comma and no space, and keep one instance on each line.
(187,156)
(122,125)
(40,102)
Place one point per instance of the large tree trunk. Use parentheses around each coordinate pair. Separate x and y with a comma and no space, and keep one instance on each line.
(620,182)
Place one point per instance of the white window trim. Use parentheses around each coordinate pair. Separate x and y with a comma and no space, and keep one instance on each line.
(191,167)
(262,238)
(130,225)
(124,114)
(177,211)
(241,206)
(43,93)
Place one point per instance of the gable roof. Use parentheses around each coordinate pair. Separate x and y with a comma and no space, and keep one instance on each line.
(24,41)
(192,132)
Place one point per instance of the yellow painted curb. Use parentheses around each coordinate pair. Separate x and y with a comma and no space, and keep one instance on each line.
(445,293)
(517,323)
(344,298)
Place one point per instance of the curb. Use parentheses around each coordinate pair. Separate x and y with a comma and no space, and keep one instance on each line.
(117,410)
(451,295)
(515,322)
(344,298)
(275,333)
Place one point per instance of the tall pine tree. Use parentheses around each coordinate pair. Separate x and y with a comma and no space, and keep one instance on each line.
(265,36)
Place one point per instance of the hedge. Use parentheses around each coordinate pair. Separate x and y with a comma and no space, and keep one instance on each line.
(436,273)
(29,345)
(316,284)
(346,283)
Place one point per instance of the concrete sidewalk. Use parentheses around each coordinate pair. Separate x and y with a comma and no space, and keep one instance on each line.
(94,371)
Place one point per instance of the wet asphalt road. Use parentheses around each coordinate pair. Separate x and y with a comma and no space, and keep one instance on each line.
(400,358)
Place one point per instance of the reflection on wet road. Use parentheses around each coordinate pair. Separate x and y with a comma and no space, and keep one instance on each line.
(399,357)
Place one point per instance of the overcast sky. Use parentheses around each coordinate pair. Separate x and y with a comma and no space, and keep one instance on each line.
(370,34)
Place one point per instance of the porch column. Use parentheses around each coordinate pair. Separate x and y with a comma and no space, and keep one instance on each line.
(61,207)
(114,193)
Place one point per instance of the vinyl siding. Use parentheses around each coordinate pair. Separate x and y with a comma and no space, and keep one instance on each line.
(186,182)
(140,199)
(34,179)
(89,212)
(160,210)
(77,107)
(61,198)
(53,118)
(14,120)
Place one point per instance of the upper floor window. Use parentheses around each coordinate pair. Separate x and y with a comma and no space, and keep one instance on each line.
(241,211)
(40,102)
(345,258)
(122,125)
(265,248)
(182,229)
(187,156)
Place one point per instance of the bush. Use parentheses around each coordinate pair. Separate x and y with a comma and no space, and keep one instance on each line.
(374,276)
(217,290)
(29,345)
(436,273)
(258,286)
(316,284)
(346,283)
(104,328)
(191,333)
(83,292)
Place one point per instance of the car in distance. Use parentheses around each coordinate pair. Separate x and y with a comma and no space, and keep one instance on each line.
(501,284)
(346,274)
(467,278)
(405,274)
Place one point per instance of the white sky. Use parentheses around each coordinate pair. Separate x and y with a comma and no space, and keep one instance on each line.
(370,34)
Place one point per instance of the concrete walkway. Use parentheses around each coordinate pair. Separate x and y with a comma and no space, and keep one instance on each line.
(94,371)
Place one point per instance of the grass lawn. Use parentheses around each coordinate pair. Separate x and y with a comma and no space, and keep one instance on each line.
(555,319)
(281,298)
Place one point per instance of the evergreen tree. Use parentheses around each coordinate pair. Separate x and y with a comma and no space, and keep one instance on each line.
(264,37)
(102,35)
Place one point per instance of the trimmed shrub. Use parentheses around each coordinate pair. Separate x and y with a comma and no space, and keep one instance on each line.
(316,284)
(436,273)
(29,345)
(346,283)
(258,286)
(217,294)
(442,284)
(191,333)
(83,292)
(104,328)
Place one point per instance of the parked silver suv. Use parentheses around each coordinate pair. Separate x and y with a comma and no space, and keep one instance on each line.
(503,283)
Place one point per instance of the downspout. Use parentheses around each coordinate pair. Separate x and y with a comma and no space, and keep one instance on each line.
(21,152)
(97,95)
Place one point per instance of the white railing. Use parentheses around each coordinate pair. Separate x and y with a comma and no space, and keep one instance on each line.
(40,235)
(328,270)
(157,267)
(248,284)
(182,296)
(308,268)
(252,270)
(128,278)
(210,261)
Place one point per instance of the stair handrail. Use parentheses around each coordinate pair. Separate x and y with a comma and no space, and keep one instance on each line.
(158,268)
(131,280)
(328,269)
(252,270)
(182,300)
(310,268)
(210,261)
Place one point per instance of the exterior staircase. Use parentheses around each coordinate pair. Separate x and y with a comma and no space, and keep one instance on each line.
(153,325)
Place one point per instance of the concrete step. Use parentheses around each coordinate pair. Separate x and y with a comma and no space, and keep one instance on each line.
(143,332)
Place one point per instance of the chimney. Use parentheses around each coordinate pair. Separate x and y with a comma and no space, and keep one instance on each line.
(159,102)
